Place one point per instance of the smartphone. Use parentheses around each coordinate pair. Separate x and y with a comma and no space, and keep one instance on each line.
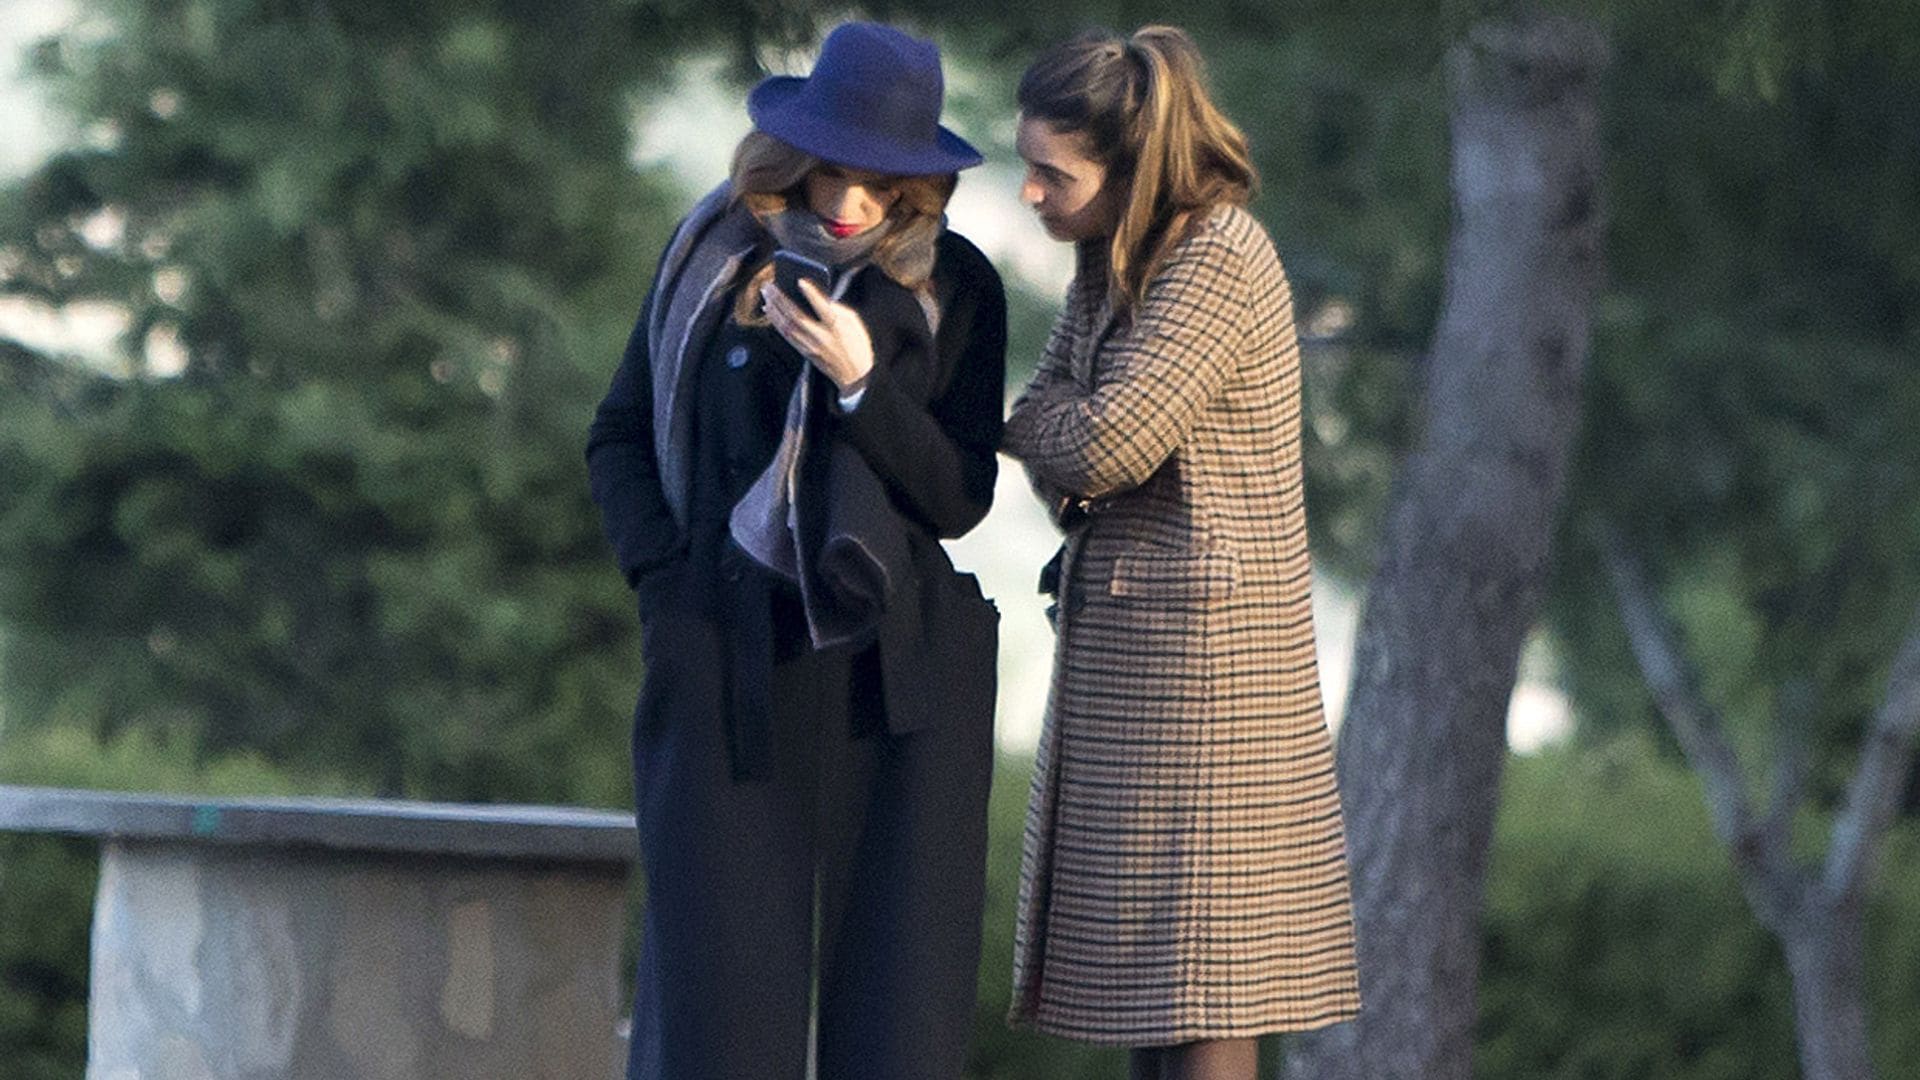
(789,267)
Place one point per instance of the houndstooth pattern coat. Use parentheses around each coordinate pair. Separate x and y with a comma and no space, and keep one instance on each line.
(1184,872)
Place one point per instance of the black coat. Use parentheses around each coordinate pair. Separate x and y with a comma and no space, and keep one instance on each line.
(928,425)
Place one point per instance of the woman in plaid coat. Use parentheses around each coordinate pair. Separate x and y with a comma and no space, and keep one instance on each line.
(1184,881)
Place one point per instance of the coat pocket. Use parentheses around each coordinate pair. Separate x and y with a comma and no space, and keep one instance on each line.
(1181,578)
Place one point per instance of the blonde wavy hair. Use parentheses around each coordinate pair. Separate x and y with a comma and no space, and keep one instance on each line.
(1143,107)
(769,176)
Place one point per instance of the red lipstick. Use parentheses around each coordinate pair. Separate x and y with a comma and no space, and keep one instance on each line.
(841,230)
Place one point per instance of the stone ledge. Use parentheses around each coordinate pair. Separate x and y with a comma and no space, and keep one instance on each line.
(533,833)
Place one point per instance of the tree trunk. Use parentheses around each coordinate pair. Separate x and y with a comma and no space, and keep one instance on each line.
(1826,958)
(1465,550)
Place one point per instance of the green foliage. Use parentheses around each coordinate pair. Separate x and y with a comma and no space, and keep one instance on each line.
(46,899)
(1753,389)
(1617,943)
(401,248)
(151,760)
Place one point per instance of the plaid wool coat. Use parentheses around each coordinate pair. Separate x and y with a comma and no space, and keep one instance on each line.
(1184,872)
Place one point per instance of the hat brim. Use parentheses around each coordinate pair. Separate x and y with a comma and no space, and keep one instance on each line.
(771,105)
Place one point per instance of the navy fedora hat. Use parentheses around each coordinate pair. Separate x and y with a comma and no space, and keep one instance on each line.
(872,102)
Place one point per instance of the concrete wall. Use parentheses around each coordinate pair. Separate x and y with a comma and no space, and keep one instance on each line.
(214,963)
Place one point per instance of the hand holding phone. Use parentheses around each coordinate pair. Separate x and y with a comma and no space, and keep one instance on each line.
(789,267)
(833,337)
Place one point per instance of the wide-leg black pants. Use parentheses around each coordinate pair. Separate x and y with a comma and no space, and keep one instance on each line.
(881,838)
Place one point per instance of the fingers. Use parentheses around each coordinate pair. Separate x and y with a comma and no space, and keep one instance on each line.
(774,302)
(807,335)
(817,298)
(781,312)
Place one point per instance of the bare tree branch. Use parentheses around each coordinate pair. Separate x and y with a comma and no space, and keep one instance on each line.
(1758,846)
(1873,798)
(1675,688)
(1813,911)
(1793,713)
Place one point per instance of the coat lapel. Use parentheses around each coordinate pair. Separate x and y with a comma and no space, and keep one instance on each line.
(1087,347)
(701,263)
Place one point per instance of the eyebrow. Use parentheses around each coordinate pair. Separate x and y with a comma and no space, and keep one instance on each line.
(1048,168)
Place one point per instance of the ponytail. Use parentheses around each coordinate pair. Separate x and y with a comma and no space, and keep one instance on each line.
(1143,105)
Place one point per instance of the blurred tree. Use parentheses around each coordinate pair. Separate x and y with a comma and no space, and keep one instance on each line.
(1466,545)
(1817,910)
(1750,420)
(1748,477)
(376,260)
(393,252)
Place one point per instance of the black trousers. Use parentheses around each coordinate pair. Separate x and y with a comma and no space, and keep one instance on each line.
(881,838)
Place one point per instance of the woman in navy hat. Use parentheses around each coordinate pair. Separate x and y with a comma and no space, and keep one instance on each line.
(813,740)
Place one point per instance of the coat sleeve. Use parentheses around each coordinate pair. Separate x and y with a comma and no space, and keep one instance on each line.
(622,471)
(1149,387)
(937,457)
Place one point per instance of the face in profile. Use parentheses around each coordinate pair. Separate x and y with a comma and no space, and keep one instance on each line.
(850,201)
(1066,187)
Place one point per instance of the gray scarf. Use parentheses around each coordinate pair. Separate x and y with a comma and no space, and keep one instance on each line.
(802,231)
(848,555)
